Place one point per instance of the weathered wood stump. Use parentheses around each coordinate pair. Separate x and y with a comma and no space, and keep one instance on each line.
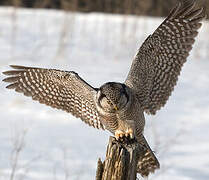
(121,161)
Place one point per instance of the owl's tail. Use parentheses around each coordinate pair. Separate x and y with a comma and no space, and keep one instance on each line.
(147,163)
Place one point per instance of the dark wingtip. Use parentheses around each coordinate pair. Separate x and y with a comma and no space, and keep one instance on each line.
(5,72)
(12,86)
(17,67)
(16,70)
(4,80)
(11,79)
(188,8)
(8,72)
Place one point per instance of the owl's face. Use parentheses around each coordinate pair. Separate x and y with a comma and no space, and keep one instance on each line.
(112,97)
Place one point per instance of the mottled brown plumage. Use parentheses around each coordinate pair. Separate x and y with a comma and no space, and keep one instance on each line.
(158,63)
(119,107)
(58,89)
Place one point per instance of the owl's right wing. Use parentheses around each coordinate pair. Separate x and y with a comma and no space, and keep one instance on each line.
(63,90)
(157,65)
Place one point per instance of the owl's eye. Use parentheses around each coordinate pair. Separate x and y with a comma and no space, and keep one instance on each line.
(105,103)
(104,99)
(102,96)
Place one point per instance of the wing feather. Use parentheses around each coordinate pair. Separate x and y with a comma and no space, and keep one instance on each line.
(63,90)
(157,65)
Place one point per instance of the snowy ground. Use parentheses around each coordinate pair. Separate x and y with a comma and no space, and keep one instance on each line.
(100,48)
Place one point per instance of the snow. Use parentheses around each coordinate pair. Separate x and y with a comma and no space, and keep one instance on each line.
(99,48)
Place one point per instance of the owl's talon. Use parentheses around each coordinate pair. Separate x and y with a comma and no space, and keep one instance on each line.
(129,132)
(131,135)
(119,134)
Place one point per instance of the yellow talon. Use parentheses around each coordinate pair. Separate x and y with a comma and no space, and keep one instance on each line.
(129,132)
(118,134)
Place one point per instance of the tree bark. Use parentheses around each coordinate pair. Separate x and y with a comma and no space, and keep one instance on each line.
(121,161)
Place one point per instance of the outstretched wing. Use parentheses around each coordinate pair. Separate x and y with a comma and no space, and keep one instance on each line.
(157,65)
(59,89)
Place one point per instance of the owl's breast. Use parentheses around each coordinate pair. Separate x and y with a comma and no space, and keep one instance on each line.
(110,121)
(129,117)
(132,116)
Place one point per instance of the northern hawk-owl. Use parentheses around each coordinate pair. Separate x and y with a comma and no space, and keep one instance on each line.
(120,107)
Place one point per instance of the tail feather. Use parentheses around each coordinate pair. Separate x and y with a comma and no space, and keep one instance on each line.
(147,162)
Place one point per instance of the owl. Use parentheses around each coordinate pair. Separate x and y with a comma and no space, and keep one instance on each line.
(120,107)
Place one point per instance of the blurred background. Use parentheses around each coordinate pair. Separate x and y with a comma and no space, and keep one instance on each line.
(97,39)
(138,7)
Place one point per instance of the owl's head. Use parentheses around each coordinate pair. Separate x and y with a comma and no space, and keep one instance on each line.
(112,97)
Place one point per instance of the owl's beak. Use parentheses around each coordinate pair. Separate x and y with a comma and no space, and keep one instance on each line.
(116,108)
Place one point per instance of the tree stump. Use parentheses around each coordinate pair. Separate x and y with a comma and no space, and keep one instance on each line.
(121,160)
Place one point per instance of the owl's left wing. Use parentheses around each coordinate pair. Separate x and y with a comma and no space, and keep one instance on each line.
(63,90)
(157,65)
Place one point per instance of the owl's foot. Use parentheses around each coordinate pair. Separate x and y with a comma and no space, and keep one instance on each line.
(129,133)
(121,134)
